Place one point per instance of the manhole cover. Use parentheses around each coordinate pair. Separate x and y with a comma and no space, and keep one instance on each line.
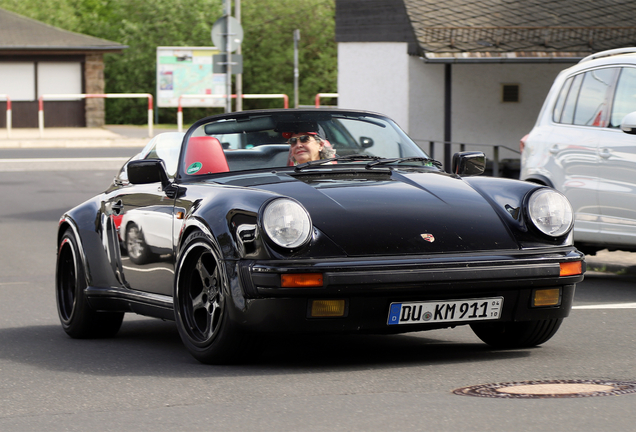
(549,389)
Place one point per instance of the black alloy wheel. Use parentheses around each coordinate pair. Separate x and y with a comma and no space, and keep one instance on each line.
(77,318)
(201,304)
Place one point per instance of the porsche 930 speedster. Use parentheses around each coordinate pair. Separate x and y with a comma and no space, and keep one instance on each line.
(222,231)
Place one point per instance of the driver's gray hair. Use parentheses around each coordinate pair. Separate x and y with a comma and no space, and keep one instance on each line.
(327,151)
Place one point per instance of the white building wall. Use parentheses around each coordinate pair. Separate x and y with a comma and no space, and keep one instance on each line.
(478,114)
(373,76)
(382,77)
(426,104)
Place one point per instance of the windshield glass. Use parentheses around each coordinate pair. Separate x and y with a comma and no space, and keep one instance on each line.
(287,138)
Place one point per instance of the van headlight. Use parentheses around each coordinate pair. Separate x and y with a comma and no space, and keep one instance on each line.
(286,223)
(551,212)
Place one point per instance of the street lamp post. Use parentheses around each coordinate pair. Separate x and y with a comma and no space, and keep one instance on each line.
(239,77)
(228,54)
(296,73)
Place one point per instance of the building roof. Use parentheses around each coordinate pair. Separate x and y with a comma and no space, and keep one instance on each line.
(505,29)
(374,21)
(19,34)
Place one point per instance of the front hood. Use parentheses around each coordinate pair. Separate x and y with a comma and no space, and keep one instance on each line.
(390,213)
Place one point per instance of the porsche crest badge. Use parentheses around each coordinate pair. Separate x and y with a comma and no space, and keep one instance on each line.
(428,237)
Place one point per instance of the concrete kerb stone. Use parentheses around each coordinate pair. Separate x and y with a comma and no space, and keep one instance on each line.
(68,137)
(617,262)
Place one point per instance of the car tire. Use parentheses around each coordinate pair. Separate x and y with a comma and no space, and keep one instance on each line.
(136,246)
(202,302)
(78,319)
(523,334)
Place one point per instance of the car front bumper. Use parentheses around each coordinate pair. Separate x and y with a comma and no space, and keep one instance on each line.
(370,286)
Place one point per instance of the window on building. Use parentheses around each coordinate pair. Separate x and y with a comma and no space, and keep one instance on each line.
(510,93)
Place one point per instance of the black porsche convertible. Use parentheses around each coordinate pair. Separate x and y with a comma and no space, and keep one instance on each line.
(222,231)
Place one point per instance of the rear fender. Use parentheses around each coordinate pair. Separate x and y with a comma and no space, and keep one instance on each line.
(85,221)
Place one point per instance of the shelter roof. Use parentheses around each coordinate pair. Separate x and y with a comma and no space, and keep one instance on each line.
(19,34)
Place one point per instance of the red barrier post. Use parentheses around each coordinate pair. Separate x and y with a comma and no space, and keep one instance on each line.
(325,95)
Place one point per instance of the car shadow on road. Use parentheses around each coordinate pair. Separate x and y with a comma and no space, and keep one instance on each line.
(150,347)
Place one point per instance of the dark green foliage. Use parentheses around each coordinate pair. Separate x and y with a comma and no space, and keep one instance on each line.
(143,25)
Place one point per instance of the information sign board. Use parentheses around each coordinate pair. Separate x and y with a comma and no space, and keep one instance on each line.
(188,70)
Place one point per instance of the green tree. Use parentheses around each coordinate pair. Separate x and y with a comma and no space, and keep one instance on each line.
(268,48)
(142,26)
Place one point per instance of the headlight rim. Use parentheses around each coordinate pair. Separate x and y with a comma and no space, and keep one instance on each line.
(537,226)
(271,239)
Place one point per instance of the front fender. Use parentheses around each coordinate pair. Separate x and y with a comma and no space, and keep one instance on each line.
(230,216)
(507,196)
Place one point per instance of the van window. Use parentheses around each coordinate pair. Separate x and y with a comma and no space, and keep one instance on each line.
(625,96)
(558,107)
(591,108)
(570,103)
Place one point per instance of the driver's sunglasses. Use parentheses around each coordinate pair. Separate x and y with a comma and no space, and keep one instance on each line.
(303,139)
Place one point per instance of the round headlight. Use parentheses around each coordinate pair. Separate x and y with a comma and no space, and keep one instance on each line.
(287,223)
(550,212)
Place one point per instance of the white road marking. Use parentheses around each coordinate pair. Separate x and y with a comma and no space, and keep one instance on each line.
(607,306)
(54,160)
(62,164)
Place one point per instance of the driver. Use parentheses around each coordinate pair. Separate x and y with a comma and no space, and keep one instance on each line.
(308,146)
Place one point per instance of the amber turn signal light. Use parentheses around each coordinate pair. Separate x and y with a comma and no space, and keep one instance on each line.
(547,297)
(301,280)
(327,308)
(571,268)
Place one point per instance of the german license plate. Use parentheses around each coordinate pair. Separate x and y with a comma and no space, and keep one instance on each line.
(445,311)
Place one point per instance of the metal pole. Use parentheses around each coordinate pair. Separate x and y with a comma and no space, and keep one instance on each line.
(296,73)
(447,116)
(239,77)
(228,58)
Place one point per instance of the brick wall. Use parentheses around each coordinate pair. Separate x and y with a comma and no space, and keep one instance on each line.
(94,79)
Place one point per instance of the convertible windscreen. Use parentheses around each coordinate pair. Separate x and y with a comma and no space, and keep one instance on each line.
(257,141)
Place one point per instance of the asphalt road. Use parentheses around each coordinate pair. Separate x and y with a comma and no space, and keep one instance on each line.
(144,380)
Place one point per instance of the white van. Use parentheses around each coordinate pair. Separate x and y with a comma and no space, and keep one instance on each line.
(584,145)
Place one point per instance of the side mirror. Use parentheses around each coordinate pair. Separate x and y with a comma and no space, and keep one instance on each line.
(147,171)
(468,163)
(366,142)
(628,125)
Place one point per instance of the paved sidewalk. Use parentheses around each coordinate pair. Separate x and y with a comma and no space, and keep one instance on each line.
(108,136)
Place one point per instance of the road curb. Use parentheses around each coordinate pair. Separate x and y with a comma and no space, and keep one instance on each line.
(618,262)
(74,143)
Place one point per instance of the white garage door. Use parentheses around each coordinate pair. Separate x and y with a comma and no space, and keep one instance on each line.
(59,78)
(17,79)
